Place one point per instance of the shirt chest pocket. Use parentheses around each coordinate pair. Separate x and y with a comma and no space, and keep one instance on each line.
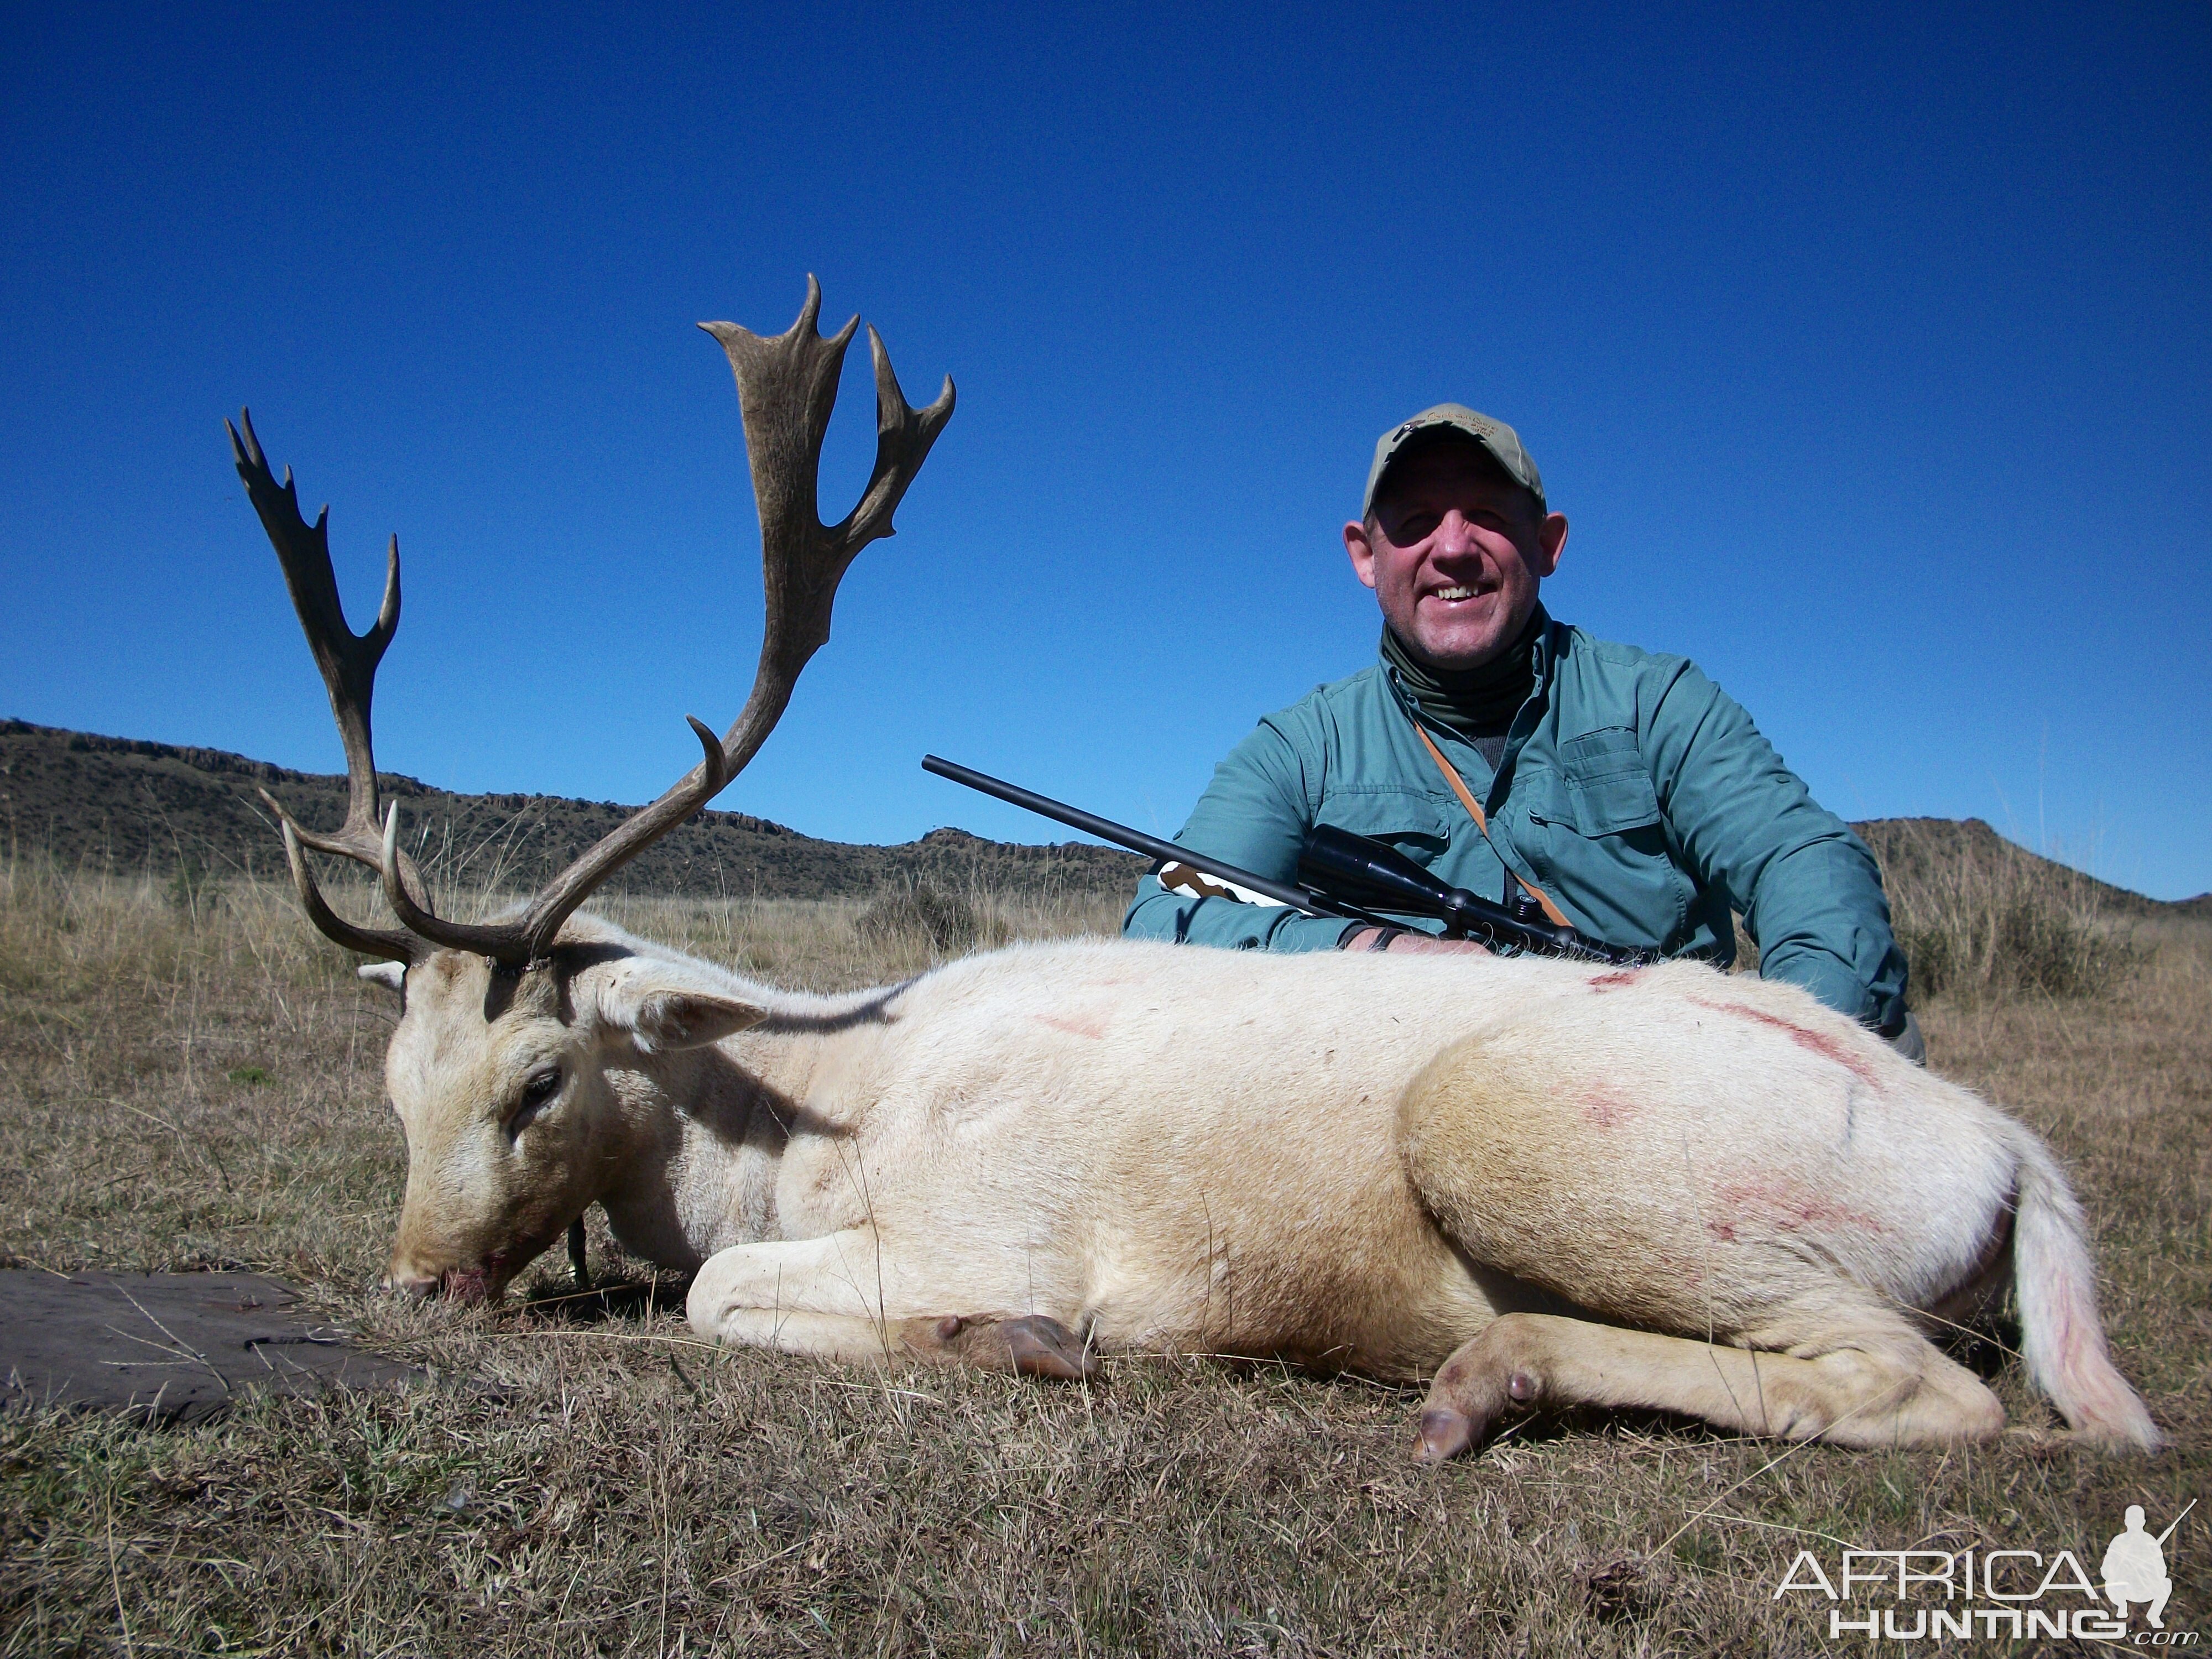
(1407,819)
(1604,789)
(1596,830)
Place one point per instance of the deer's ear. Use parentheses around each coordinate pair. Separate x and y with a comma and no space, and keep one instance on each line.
(391,976)
(691,1019)
(664,1006)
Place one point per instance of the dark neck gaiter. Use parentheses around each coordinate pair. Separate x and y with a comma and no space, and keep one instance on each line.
(1478,703)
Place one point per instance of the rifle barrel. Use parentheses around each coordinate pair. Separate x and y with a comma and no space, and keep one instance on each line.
(1137,841)
(2178,1520)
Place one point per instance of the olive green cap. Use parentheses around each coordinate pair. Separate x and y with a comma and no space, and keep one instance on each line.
(1502,441)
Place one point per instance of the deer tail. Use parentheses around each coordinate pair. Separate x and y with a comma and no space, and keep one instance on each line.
(2056,1284)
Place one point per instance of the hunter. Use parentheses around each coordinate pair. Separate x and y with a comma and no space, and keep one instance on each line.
(1616,789)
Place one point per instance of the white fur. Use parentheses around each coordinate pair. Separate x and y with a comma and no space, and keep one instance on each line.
(1349,1160)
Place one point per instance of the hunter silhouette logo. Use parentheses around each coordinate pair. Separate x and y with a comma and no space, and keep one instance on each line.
(2135,1566)
(1998,1594)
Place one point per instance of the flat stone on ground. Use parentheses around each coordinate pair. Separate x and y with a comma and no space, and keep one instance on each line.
(169,1347)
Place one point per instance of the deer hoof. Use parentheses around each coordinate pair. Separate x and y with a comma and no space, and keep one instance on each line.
(1445,1433)
(1044,1348)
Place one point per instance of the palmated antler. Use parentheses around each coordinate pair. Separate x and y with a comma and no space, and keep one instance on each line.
(787,387)
(348,662)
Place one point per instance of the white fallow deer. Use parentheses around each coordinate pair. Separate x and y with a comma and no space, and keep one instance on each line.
(1532,1184)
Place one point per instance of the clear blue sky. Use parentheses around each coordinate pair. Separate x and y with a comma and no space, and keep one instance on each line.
(1866,349)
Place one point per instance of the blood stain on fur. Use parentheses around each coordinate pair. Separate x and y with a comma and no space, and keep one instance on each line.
(1826,1047)
(1785,1209)
(1075,1025)
(1605,1109)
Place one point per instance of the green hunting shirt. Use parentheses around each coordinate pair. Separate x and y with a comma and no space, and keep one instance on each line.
(1631,789)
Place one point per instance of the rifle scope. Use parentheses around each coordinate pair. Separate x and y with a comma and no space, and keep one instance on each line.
(1377,876)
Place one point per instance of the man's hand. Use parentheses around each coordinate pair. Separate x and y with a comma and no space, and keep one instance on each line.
(1408,942)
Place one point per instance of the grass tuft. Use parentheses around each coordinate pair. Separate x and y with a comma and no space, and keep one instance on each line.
(943,922)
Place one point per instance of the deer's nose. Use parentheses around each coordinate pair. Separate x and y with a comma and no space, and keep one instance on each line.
(405,1285)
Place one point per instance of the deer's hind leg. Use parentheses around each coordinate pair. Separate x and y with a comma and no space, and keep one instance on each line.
(1661,1204)
(1883,1385)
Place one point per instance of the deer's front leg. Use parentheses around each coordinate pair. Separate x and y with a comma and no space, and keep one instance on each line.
(844,1297)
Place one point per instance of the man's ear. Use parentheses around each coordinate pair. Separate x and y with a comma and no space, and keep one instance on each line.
(391,976)
(1362,549)
(1551,542)
(665,1008)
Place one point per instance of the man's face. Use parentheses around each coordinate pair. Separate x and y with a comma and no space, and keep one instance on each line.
(1455,553)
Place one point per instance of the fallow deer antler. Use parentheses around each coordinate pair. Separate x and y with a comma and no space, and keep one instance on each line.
(787,387)
(348,662)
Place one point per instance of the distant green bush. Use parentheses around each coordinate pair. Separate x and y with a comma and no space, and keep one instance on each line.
(944,921)
(192,885)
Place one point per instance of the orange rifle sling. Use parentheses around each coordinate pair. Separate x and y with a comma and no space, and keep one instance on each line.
(1475,810)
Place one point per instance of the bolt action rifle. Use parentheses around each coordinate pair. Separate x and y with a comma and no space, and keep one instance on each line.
(1339,874)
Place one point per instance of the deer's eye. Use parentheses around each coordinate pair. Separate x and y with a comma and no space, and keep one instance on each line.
(540,1088)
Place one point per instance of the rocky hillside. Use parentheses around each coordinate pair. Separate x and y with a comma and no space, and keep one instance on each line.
(120,805)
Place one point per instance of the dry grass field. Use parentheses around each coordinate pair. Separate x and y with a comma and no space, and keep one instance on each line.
(189,1078)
